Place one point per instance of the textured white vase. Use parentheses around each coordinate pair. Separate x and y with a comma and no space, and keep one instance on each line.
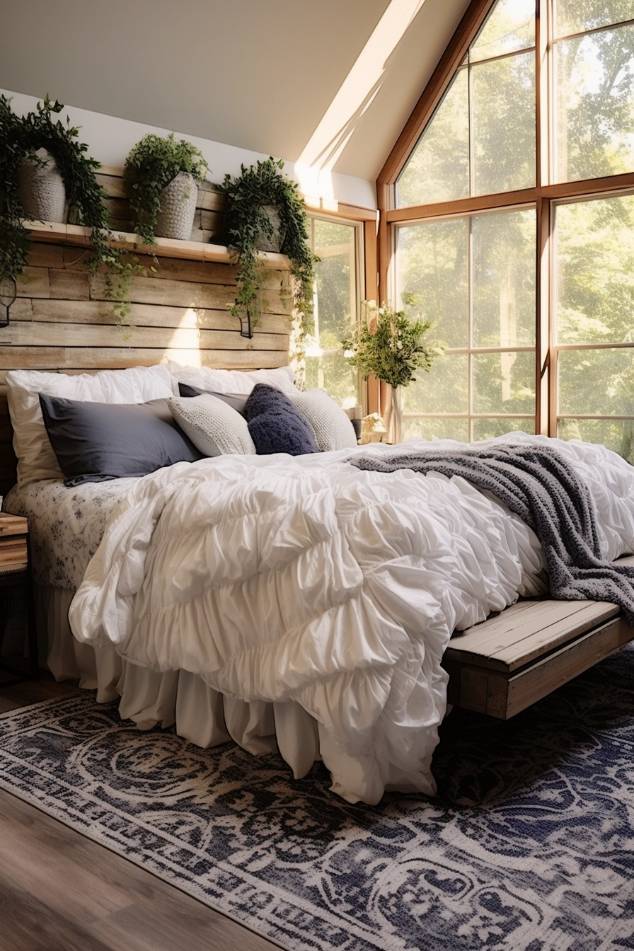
(41,188)
(265,243)
(178,207)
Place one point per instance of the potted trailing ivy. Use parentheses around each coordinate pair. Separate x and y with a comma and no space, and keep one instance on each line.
(391,347)
(14,240)
(162,175)
(264,211)
(37,152)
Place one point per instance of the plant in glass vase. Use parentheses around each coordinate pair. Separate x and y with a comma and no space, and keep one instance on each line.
(390,346)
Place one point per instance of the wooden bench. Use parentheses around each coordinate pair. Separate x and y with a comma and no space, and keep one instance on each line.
(517,657)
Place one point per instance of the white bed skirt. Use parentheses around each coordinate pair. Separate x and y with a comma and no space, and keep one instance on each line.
(200,714)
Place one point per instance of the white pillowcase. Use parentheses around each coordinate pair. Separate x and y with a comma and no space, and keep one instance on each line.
(333,429)
(214,427)
(36,458)
(239,382)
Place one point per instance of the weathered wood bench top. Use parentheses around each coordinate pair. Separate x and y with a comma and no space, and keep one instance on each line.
(514,659)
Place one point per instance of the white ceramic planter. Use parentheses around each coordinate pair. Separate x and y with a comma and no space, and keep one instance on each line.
(178,207)
(265,243)
(41,188)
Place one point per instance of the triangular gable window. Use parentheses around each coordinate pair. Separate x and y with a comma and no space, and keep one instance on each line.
(481,138)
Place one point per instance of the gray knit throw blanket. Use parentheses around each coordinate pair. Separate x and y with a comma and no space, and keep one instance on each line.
(538,485)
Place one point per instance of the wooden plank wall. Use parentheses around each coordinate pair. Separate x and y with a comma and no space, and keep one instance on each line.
(62,320)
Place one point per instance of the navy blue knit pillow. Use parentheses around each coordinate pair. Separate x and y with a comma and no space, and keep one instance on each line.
(276,425)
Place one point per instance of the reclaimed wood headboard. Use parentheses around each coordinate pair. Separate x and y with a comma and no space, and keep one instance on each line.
(63,319)
(7,456)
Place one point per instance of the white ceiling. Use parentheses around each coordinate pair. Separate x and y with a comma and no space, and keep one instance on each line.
(259,74)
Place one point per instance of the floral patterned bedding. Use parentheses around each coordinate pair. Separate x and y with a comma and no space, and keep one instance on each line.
(65,525)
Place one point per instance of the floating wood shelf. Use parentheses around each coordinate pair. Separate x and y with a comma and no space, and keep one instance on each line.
(164,247)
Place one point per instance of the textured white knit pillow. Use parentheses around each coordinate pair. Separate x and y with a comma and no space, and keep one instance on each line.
(36,459)
(214,427)
(240,382)
(333,429)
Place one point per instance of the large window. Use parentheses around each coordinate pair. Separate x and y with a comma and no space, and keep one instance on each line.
(335,308)
(594,310)
(473,277)
(594,88)
(511,228)
(481,138)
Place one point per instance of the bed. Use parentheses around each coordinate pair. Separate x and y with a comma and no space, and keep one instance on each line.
(67,525)
(290,602)
(361,690)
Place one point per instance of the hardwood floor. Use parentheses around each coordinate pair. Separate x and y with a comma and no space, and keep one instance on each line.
(59,891)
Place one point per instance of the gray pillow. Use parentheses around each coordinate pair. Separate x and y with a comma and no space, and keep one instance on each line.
(213,426)
(332,428)
(235,400)
(95,442)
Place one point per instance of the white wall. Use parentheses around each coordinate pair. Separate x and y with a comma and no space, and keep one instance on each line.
(110,139)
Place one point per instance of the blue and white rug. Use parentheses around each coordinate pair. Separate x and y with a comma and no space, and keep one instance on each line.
(531,845)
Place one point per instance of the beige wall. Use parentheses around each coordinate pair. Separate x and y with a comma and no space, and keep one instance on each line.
(261,75)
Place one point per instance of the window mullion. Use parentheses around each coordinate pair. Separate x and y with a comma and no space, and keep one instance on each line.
(543,328)
(545,357)
(591,31)
(470,273)
(553,354)
(544,93)
(470,162)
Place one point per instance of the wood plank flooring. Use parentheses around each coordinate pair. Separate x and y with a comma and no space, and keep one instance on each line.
(59,891)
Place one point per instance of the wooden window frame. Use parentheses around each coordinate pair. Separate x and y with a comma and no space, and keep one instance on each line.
(469,350)
(542,196)
(365,221)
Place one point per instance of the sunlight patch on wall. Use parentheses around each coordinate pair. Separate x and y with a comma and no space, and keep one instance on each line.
(356,93)
(186,335)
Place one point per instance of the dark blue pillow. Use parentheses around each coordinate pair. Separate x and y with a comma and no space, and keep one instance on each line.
(95,442)
(276,425)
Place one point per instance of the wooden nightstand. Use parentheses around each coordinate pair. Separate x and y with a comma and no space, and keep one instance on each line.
(15,577)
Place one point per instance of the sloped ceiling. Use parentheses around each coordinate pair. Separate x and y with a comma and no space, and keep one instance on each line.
(260,74)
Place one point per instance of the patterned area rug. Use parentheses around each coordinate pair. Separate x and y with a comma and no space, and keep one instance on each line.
(530,846)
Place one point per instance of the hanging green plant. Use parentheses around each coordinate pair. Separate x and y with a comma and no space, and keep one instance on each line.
(14,241)
(260,202)
(152,165)
(25,142)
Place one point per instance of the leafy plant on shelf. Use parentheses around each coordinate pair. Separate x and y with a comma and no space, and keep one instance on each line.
(20,138)
(246,197)
(14,241)
(151,165)
(389,346)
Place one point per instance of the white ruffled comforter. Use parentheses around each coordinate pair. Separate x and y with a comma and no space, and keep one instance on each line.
(278,578)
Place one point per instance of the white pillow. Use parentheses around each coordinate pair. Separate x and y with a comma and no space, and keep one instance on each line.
(214,427)
(333,429)
(36,458)
(239,382)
